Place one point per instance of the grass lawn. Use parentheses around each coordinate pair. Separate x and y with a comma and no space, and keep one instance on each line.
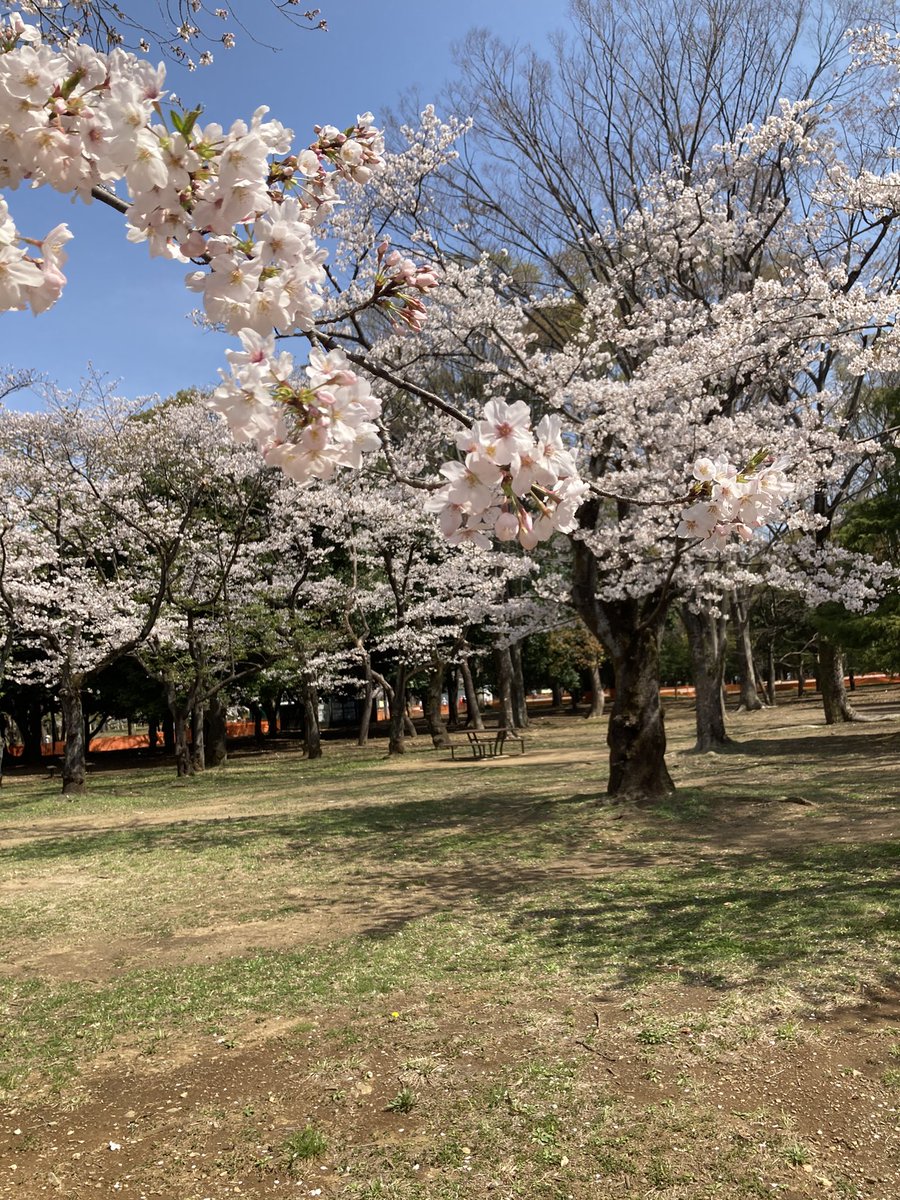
(423,980)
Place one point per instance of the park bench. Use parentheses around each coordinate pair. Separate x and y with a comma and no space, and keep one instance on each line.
(487,743)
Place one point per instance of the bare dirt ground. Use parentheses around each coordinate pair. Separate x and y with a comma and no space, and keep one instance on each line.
(577,1087)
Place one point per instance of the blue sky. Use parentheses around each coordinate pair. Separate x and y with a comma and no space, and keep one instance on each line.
(125,313)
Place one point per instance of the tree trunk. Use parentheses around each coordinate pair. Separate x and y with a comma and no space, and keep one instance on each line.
(596,694)
(557,694)
(168,727)
(73,767)
(706,641)
(801,680)
(749,696)
(835,700)
(180,713)
(198,745)
(257,715)
(520,707)
(630,630)
(770,672)
(152,733)
(215,732)
(365,719)
(399,717)
(473,709)
(637,738)
(271,708)
(433,718)
(453,698)
(311,721)
(504,669)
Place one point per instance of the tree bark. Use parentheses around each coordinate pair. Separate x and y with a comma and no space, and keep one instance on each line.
(433,718)
(399,716)
(74,754)
(365,719)
(557,694)
(453,698)
(311,720)
(835,700)
(749,695)
(597,704)
(215,732)
(504,669)
(630,630)
(770,672)
(473,709)
(180,713)
(520,707)
(198,745)
(706,641)
(152,733)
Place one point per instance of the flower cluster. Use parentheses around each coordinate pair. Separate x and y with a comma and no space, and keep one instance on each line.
(514,483)
(730,502)
(236,200)
(307,428)
(354,153)
(396,284)
(26,281)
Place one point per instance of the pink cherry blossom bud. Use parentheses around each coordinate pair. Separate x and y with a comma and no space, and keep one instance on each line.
(506,527)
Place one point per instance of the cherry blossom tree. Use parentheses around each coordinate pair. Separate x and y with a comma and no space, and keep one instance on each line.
(686,334)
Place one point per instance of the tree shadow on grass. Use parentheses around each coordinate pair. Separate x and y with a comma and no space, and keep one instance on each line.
(728,925)
(383,830)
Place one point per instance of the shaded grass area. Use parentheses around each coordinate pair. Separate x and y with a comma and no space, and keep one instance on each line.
(819,922)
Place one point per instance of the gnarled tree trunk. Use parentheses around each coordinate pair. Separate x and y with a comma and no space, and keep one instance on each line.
(399,716)
(706,641)
(433,718)
(630,630)
(75,752)
(198,743)
(835,700)
(215,732)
